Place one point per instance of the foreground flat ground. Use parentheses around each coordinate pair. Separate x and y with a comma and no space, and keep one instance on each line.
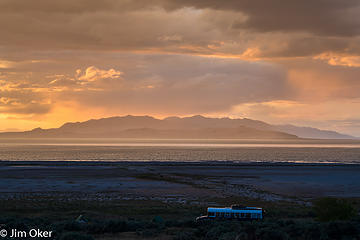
(183,181)
(161,200)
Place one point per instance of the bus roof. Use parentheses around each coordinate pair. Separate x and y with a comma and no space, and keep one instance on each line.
(247,209)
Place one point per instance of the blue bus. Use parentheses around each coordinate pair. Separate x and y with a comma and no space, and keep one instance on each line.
(234,212)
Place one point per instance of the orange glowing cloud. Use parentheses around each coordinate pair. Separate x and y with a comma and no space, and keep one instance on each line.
(339,59)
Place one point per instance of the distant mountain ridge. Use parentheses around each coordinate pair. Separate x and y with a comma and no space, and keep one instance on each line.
(309,132)
(194,127)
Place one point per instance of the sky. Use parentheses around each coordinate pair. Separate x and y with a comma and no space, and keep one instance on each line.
(283,62)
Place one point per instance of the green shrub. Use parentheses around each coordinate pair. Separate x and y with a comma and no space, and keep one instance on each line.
(340,229)
(312,232)
(221,230)
(188,235)
(147,233)
(331,209)
(72,226)
(228,236)
(114,226)
(270,233)
(75,236)
(158,220)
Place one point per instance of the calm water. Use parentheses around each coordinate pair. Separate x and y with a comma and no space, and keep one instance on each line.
(309,151)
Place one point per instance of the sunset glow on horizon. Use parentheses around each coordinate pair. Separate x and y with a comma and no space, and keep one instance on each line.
(282,62)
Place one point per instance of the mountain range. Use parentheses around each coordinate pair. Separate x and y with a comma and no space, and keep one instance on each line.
(195,127)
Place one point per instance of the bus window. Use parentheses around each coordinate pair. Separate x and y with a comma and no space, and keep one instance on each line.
(247,215)
(211,214)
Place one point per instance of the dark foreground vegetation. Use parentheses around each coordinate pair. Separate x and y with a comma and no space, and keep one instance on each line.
(327,219)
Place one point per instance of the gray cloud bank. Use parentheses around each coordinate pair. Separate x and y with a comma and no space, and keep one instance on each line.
(186,26)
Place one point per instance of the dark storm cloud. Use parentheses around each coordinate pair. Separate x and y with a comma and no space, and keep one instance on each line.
(165,26)
(324,17)
(72,24)
(304,46)
(70,7)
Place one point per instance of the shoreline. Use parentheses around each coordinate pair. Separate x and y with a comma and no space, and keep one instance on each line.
(168,163)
